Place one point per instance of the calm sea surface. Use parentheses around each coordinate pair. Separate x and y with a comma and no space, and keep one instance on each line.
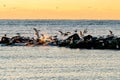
(58,63)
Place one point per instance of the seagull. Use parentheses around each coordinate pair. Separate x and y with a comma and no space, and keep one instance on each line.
(64,34)
(81,34)
(43,36)
(76,30)
(111,33)
(36,32)
(85,31)
(61,32)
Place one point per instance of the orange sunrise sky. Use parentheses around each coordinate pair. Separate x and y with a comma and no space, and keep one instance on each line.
(60,9)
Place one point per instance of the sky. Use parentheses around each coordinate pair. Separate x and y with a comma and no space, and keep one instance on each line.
(60,9)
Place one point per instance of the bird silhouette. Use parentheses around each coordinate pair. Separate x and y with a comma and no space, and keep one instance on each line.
(64,34)
(111,33)
(85,31)
(36,32)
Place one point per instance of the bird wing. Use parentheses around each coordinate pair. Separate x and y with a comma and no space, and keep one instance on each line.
(36,32)
(61,32)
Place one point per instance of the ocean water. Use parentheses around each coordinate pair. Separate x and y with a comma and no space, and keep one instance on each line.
(58,63)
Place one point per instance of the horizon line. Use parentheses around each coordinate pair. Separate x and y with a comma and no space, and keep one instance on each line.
(63,19)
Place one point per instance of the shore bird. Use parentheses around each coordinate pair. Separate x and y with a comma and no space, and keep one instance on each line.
(64,34)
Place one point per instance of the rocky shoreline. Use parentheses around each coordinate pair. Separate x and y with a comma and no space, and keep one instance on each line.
(72,41)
